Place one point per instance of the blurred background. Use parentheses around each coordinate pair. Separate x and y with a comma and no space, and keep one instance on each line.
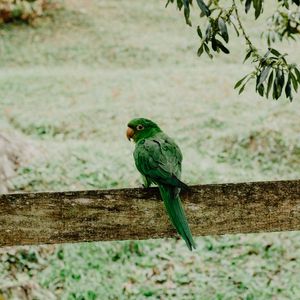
(71,77)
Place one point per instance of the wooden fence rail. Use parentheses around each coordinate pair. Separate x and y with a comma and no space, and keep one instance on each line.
(121,214)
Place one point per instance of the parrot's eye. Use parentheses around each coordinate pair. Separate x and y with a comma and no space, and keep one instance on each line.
(140,127)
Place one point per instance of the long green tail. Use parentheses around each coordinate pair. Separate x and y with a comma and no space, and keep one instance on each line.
(176,213)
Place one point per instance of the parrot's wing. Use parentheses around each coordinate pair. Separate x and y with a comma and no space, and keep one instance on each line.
(159,158)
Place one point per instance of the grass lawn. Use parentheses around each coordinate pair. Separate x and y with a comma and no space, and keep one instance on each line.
(70,84)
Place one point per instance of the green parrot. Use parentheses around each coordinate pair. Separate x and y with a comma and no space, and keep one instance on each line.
(158,159)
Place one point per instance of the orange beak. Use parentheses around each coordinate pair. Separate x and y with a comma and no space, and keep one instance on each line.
(129,133)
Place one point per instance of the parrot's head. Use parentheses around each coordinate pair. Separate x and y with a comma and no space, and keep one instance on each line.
(141,128)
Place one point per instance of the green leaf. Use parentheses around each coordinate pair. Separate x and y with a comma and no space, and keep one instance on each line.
(179,4)
(222,47)
(187,16)
(270,82)
(285,4)
(187,12)
(207,50)
(274,51)
(242,89)
(258,7)
(167,3)
(266,55)
(200,51)
(247,55)
(279,82)
(288,90)
(247,5)
(203,7)
(274,95)
(257,81)
(199,32)
(297,72)
(240,82)
(294,81)
(208,32)
(261,90)
(264,74)
(214,44)
(223,29)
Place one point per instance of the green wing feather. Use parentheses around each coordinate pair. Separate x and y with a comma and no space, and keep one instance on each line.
(159,160)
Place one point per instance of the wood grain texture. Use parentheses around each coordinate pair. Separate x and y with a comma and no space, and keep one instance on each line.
(105,215)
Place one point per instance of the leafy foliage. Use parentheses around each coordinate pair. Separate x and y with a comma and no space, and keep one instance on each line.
(257,5)
(216,27)
(272,71)
(283,24)
(273,74)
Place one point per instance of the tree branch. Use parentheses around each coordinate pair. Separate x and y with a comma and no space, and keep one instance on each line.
(127,214)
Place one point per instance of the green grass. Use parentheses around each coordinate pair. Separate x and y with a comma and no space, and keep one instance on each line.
(71,83)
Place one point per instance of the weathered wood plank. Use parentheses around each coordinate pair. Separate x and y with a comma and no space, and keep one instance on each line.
(104,215)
